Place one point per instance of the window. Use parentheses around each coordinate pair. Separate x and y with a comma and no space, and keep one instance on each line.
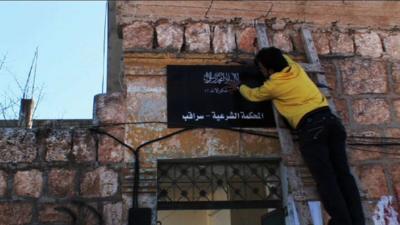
(218,191)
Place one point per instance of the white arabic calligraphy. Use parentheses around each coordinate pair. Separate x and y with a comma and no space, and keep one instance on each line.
(221,116)
(220,77)
(216,90)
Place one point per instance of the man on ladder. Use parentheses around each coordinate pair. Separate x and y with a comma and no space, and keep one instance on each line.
(321,134)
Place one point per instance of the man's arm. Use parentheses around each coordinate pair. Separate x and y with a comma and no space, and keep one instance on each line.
(258,94)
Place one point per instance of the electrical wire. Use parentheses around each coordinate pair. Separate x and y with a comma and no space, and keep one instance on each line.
(352,140)
(375,151)
(136,151)
(240,130)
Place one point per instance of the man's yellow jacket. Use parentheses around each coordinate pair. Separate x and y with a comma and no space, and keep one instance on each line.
(292,92)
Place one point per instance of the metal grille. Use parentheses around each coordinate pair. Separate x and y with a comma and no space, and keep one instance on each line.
(218,183)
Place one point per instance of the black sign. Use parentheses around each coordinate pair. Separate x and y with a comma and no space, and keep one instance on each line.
(198,95)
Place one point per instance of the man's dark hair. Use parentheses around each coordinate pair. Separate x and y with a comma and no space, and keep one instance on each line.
(271,58)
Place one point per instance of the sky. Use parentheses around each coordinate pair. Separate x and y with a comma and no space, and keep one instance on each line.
(69,36)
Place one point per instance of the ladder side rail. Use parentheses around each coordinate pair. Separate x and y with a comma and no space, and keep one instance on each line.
(312,56)
(286,143)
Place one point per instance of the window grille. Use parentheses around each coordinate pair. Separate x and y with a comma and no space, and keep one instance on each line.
(218,183)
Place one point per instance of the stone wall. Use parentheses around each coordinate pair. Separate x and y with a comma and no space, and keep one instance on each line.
(51,175)
(347,12)
(48,173)
(361,65)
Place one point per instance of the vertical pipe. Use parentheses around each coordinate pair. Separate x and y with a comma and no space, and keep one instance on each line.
(26,113)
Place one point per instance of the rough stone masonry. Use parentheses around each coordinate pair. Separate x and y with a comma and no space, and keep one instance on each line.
(361,65)
(46,171)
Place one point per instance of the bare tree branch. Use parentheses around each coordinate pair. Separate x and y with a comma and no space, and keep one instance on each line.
(15,78)
(26,88)
(11,99)
(3,61)
(39,98)
(34,73)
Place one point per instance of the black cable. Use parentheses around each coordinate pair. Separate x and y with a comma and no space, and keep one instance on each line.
(239,130)
(376,151)
(136,151)
(374,144)
(136,178)
(212,127)
(194,126)
(113,137)
(349,143)
(136,175)
(137,164)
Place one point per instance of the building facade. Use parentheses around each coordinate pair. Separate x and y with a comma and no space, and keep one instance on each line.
(44,172)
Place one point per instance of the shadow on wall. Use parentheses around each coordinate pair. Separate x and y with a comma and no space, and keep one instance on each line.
(81,213)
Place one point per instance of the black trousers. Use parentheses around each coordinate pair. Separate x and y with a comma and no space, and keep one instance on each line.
(322,140)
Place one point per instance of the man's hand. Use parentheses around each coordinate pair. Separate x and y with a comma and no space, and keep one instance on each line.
(233,86)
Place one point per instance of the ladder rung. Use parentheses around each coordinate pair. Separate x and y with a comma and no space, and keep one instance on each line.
(312,67)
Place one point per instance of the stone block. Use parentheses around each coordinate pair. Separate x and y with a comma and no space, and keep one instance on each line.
(360,154)
(370,209)
(279,24)
(146,84)
(61,182)
(112,213)
(282,41)
(138,35)
(58,145)
(17,145)
(297,40)
(364,76)
(365,133)
(28,183)
(321,42)
(396,77)
(247,39)
(221,142)
(109,108)
(15,213)
(395,174)
(331,74)
(109,149)
(140,133)
(373,180)
(49,214)
(84,146)
(392,132)
(224,39)
(148,200)
(3,183)
(371,111)
(392,46)
(342,110)
(101,182)
(89,217)
(169,36)
(147,107)
(341,43)
(197,37)
(257,146)
(368,44)
(189,144)
(396,104)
